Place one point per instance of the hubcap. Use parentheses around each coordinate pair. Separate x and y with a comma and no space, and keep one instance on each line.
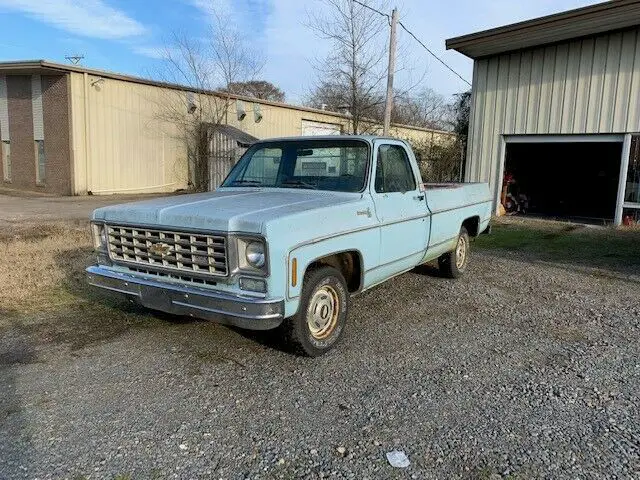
(322,314)
(461,252)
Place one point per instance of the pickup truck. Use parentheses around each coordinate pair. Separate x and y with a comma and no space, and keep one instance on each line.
(298,226)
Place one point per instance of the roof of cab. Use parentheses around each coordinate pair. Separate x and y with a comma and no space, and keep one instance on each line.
(366,138)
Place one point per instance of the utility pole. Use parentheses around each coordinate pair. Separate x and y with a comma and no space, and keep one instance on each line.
(390,72)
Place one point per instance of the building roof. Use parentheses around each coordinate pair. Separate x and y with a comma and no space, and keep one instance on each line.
(31,67)
(581,22)
(242,138)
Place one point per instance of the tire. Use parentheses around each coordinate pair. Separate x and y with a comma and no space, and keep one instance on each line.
(453,264)
(322,315)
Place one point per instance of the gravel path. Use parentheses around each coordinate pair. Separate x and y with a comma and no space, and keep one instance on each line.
(522,369)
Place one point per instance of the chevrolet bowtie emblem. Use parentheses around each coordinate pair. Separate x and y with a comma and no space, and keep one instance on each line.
(160,249)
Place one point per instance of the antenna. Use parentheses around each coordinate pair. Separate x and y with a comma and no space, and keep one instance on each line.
(75,59)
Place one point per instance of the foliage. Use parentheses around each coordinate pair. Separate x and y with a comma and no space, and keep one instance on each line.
(426,109)
(439,162)
(461,116)
(257,89)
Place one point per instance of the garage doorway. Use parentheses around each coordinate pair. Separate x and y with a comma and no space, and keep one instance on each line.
(570,180)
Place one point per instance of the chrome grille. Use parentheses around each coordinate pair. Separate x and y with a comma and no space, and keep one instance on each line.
(166,250)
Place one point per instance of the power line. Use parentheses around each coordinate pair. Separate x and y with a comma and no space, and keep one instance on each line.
(434,55)
(417,40)
(371,8)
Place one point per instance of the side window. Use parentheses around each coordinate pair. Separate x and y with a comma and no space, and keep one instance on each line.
(393,170)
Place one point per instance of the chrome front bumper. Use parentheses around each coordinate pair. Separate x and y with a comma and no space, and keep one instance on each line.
(243,312)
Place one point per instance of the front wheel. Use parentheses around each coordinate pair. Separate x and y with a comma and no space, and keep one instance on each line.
(322,314)
(453,264)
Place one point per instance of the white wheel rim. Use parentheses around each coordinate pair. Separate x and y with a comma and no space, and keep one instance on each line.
(322,314)
(461,252)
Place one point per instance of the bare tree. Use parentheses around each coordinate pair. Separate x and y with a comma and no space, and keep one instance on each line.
(426,109)
(351,77)
(204,67)
(257,89)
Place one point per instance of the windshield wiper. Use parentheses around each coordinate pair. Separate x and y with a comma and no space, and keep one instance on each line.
(299,184)
(246,182)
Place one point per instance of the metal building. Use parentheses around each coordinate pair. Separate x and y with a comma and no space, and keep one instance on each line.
(70,130)
(556,112)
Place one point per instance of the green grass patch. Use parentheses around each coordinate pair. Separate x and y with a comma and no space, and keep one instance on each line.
(600,246)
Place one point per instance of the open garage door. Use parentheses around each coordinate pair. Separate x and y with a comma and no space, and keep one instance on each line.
(573,180)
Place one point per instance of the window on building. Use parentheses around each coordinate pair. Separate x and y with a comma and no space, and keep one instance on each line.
(393,170)
(6,160)
(41,162)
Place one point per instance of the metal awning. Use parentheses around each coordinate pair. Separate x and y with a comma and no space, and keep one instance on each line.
(242,138)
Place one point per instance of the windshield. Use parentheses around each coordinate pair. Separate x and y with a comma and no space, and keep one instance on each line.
(334,165)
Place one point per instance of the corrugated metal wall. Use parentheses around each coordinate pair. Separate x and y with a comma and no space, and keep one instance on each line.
(587,86)
(122,141)
(126,136)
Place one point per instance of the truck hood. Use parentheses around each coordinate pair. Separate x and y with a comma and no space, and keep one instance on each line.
(246,210)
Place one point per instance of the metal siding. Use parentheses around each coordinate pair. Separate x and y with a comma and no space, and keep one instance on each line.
(511,103)
(594,105)
(584,86)
(489,143)
(502,78)
(480,96)
(533,110)
(622,99)
(36,100)
(633,117)
(546,89)
(610,87)
(580,87)
(558,88)
(472,123)
(524,86)
(4,110)
(569,96)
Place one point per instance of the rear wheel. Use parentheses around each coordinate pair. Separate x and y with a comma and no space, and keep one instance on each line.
(453,264)
(322,313)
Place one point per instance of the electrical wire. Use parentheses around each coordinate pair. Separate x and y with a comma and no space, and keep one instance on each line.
(371,8)
(434,55)
(417,40)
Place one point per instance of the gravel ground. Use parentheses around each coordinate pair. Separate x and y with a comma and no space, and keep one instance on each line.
(522,369)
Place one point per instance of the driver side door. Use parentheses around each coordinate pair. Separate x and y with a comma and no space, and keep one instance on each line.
(400,207)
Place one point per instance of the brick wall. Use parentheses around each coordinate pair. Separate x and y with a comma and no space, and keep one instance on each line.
(23,157)
(55,104)
(56,134)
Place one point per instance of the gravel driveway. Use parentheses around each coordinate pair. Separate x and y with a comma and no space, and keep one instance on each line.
(522,369)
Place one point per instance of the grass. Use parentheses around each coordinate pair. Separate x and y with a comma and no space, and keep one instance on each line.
(45,294)
(601,247)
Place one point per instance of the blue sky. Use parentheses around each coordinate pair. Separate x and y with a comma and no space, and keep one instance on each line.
(126,36)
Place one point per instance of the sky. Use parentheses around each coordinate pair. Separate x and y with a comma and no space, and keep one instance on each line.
(128,36)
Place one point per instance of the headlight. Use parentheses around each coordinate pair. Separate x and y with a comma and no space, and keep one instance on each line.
(252,255)
(255,254)
(99,234)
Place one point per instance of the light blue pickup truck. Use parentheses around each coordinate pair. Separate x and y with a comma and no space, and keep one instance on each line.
(299,225)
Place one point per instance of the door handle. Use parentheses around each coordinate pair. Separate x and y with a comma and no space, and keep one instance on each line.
(419,197)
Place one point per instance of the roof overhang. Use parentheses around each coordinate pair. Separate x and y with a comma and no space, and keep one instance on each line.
(582,22)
